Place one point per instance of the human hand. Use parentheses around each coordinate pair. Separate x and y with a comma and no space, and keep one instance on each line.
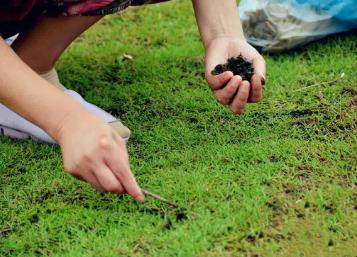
(228,89)
(93,152)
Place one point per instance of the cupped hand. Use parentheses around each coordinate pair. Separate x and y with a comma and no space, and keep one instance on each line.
(93,152)
(228,89)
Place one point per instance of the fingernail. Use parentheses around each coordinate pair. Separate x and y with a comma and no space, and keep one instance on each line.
(263,81)
(140,198)
(230,73)
(238,77)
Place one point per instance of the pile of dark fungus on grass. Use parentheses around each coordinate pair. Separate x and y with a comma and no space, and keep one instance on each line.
(238,65)
(180,213)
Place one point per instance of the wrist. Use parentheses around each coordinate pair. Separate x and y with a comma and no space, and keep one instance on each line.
(228,35)
(67,123)
(217,19)
(224,39)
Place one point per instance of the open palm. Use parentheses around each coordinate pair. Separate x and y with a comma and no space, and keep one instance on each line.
(228,89)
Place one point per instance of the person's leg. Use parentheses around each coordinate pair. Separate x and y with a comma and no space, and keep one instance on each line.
(40,47)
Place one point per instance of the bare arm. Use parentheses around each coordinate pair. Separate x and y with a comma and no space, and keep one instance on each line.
(217,18)
(23,91)
(90,148)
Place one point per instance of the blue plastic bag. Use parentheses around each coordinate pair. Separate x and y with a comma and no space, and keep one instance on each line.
(342,10)
(277,25)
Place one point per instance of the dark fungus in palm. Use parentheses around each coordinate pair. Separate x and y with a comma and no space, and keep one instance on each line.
(238,65)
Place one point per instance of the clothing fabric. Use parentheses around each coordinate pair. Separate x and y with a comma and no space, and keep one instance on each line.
(16,15)
(15,126)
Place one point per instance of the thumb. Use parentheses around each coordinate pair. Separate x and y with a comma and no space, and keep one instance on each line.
(259,66)
(218,81)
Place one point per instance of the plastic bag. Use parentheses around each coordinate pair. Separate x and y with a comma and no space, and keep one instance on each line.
(278,25)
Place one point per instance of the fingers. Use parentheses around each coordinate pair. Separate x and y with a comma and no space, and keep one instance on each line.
(256,93)
(235,94)
(240,100)
(118,163)
(259,67)
(258,80)
(101,178)
(106,167)
(108,181)
(225,95)
(218,81)
(90,178)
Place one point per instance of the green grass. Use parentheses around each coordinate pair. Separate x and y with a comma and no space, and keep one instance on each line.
(278,181)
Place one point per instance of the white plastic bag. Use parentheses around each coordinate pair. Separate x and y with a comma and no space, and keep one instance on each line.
(278,25)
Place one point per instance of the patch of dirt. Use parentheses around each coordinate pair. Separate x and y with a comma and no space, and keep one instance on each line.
(319,95)
(5,231)
(44,196)
(167,224)
(330,243)
(276,207)
(278,211)
(251,239)
(332,229)
(329,208)
(190,68)
(301,113)
(322,123)
(181,214)
(34,218)
(275,158)
(266,183)
(238,65)
(154,211)
(350,91)
(299,214)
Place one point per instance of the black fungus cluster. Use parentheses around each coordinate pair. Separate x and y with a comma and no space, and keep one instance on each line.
(238,65)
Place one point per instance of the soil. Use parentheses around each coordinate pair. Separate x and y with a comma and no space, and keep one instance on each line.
(300,113)
(238,65)
(181,214)
(34,218)
(5,231)
(154,211)
(330,243)
(167,224)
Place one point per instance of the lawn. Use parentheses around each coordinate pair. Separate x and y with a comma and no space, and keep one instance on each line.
(279,180)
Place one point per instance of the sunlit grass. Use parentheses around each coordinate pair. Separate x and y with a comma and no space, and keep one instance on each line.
(278,181)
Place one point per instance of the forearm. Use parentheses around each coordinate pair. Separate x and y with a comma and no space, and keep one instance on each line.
(217,18)
(26,93)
